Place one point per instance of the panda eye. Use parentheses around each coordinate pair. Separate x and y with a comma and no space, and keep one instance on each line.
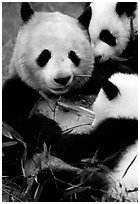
(43,58)
(107,37)
(74,58)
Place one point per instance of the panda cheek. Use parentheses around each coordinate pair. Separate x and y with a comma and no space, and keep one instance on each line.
(103,50)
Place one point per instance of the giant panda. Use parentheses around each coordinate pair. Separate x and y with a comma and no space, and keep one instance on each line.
(20,93)
(115,121)
(113,140)
(117,105)
(113,28)
(52,54)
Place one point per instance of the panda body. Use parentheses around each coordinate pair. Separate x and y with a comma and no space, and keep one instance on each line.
(115,114)
(124,179)
(114,134)
(113,141)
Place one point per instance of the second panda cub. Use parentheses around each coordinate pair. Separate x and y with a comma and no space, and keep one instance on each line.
(116,122)
(116,34)
(114,136)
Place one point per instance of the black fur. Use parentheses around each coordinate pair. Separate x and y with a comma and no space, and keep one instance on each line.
(43,58)
(87,4)
(74,58)
(131,52)
(103,71)
(26,12)
(127,8)
(109,140)
(107,37)
(110,89)
(110,137)
(106,69)
(18,100)
(85,18)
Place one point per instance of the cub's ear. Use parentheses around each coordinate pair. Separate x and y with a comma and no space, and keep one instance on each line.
(127,8)
(26,12)
(85,17)
(110,89)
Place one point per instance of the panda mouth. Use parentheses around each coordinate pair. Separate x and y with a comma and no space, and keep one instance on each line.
(62,89)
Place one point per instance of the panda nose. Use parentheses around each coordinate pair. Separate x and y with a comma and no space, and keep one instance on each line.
(63,80)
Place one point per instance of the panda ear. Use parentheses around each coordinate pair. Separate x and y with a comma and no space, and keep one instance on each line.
(126,7)
(26,12)
(85,17)
(110,89)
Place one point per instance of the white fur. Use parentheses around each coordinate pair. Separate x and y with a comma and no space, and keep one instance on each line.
(104,17)
(125,105)
(59,34)
(125,176)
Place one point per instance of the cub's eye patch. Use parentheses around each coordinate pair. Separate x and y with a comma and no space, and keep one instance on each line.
(107,37)
(43,58)
(74,58)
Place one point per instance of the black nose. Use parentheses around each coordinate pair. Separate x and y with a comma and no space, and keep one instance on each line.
(63,80)
(97,58)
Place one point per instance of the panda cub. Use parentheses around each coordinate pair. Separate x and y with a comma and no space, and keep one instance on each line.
(120,104)
(115,121)
(113,28)
(52,54)
(114,136)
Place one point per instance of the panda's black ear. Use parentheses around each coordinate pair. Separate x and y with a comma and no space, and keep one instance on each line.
(110,89)
(26,12)
(127,8)
(85,17)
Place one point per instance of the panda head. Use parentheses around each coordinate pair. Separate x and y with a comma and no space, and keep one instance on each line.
(118,98)
(52,52)
(112,25)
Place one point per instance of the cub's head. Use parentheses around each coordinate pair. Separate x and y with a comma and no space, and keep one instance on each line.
(113,27)
(52,52)
(118,98)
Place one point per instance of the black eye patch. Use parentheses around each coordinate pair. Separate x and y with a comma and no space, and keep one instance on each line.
(107,37)
(43,58)
(74,58)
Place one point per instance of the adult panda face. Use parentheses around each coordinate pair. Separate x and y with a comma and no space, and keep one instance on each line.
(110,27)
(52,52)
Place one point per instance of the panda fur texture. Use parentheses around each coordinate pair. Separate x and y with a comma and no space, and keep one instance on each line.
(123,180)
(113,108)
(114,39)
(52,51)
(114,134)
(113,29)
(20,93)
